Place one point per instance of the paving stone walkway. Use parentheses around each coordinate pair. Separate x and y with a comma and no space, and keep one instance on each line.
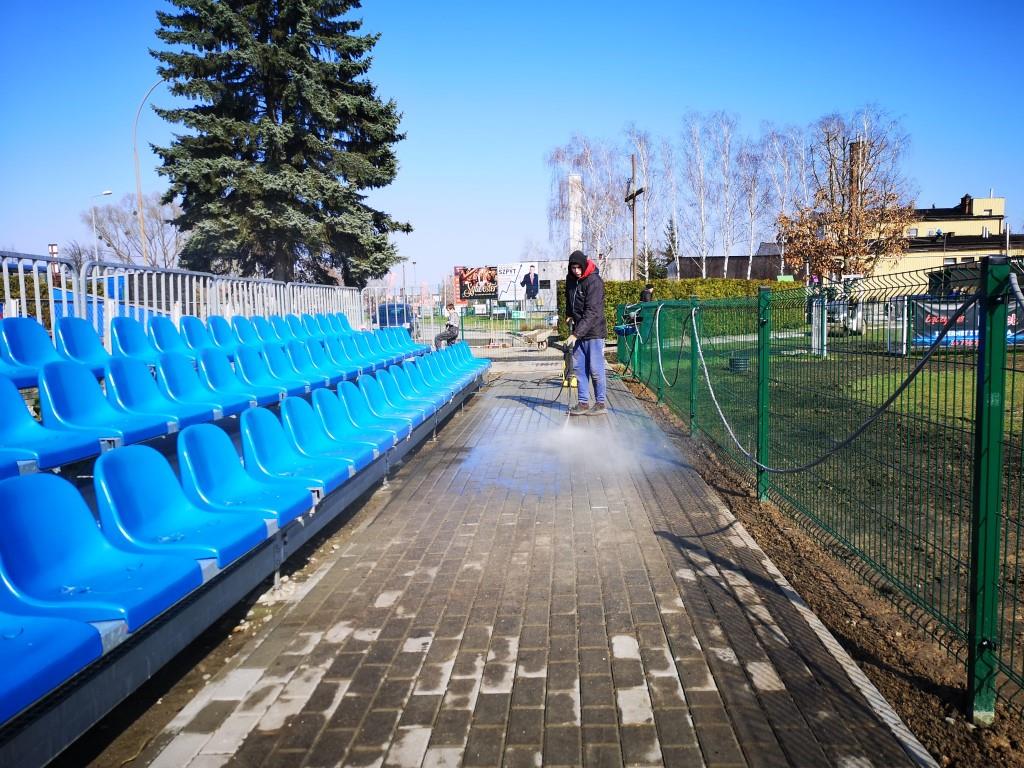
(537,592)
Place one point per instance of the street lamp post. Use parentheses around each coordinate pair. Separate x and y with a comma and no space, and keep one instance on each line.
(95,237)
(138,176)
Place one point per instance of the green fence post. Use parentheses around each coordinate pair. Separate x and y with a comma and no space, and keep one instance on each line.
(620,341)
(764,352)
(694,364)
(983,632)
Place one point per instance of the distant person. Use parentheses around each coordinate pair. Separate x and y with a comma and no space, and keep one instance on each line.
(531,283)
(584,300)
(647,294)
(451,328)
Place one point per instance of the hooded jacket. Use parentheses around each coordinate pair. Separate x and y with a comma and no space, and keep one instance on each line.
(584,301)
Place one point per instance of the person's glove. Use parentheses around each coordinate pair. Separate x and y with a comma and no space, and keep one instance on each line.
(571,341)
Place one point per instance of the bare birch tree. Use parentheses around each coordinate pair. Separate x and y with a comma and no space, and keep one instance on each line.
(671,187)
(778,161)
(117,227)
(752,191)
(698,194)
(601,166)
(723,129)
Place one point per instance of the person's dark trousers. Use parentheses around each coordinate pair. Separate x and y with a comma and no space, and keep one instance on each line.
(588,363)
(448,335)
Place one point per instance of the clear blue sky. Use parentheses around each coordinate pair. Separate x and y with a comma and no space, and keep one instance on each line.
(488,89)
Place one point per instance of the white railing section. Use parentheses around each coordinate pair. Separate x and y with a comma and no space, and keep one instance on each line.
(45,288)
(37,286)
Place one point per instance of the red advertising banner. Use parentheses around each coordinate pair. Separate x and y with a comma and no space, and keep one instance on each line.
(477,282)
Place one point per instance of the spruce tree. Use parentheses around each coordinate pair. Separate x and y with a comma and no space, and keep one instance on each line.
(285,136)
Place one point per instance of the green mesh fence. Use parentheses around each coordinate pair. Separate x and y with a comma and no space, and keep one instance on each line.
(799,373)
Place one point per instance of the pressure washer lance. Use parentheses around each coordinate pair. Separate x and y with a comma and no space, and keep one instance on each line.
(569,381)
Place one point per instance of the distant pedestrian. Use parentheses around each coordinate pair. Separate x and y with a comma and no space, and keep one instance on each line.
(647,294)
(584,294)
(451,328)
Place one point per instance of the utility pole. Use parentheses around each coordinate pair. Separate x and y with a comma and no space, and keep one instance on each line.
(632,193)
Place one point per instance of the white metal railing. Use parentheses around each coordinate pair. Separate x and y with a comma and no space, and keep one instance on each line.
(37,286)
(46,287)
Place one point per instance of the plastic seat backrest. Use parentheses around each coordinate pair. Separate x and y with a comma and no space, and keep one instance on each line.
(15,418)
(180,378)
(131,385)
(342,319)
(284,332)
(79,341)
(196,334)
(246,331)
(68,391)
(263,439)
(207,460)
(221,333)
(128,338)
(298,330)
(27,342)
(267,330)
(216,369)
(144,485)
(166,337)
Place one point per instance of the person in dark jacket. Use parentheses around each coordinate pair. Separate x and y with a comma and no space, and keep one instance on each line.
(584,301)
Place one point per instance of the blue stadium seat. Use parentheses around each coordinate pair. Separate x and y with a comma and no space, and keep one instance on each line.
(400,399)
(222,379)
(181,382)
(333,413)
(47,447)
(416,387)
(212,478)
(23,376)
(301,355)
(323,360)
(309,436)
(280,365)
(368,343)
(298,330)
(79,574)
(360,354)
(461,351)
(143,509)
(424,379)
(223,337)
(78,341)
(128,338)
(381,406)
(282,328)
(252,369)
(197,335)
(70,398)
(246,331)
(269,453)
(312,327)
(320,322)
(362,415)
(336,351)
(343,322)
(39,653)
(27,344)
(167,338)
(131,386)
(272,330)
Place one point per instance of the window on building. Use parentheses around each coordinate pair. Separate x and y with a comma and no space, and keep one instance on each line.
(988,211)
(931,233)
(966,259)
(912,232)
(984,231)
(948,261)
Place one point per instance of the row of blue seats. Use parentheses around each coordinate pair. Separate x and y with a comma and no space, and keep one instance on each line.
(161,536)
(79,420)
(25,346)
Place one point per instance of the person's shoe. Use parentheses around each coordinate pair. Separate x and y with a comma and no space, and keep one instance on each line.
(598,409)
(580,409)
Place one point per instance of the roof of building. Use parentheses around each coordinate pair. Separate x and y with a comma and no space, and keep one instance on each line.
(992,244)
